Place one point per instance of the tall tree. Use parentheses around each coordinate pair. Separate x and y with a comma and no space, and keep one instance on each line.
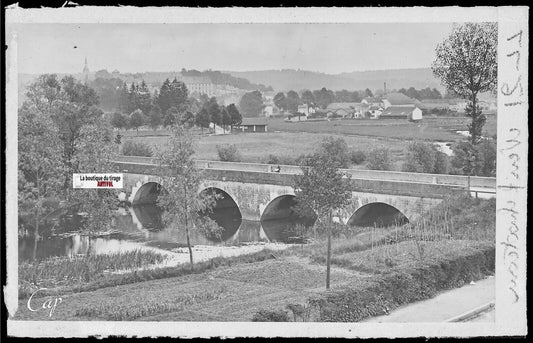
(466,63)
(182,203)
(324,97)
(251,104)
(155,119)
(280,101)
(324,189)
(225,118)
(308,98)
(202,119)
(39,146)
(368,93)
(78,140)
(119,120)
(213,109)
(293,100)
(136,119)
(164,99)
(235,115)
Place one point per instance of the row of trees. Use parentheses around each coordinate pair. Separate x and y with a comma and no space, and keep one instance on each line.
(422,94)
(320,98)
(170,106)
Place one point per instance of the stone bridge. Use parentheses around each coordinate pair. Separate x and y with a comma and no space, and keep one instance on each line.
(260,192)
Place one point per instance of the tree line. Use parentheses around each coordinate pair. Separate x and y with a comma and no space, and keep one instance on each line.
(170,105)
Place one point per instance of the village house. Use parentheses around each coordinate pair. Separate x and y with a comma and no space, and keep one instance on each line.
(306,109)
(346,109)
(412,113)
(253,125)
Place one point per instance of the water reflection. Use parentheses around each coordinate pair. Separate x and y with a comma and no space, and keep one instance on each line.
(142,226)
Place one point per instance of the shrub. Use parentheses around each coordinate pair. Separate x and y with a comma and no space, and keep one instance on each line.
(479,159)
(367,298)
(357,157)
(379,159)
(132,148)
(228,153)
(270,316)
(425,158)
(336,149)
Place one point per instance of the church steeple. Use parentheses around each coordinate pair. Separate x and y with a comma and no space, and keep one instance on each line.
(85,73)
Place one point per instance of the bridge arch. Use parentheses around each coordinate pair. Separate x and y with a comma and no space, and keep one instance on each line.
(226,213)
(378,214)
(148,193)
(279,220)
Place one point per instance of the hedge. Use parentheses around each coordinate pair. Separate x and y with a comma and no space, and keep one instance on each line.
(383,293)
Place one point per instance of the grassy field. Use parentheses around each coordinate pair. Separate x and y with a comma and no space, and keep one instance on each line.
(255,147)
(293,139)
(441,129)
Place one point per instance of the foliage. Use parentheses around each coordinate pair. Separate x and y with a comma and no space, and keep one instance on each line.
(422,94)
(251,104)
(172,94)
(202,119)
(292,101)
(228,153)
(323,97)
(347,96)
(323,189)
(108,91)
(379,159)
(308,98)
(467,65)
(81,143)
(424,158)
(136,119)
(155,118)
(336,150)
(235,115)
(133,148)
(271,316)
(119,120)
(280,101)
(182,203)
(357,157)
(405,285)
(472,159)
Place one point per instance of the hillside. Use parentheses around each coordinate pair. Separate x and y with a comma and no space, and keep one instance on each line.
(287,79)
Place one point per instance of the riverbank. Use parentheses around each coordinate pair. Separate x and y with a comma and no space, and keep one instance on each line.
(372,273)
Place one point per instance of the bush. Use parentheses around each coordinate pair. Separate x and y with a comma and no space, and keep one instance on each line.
(271,316)
(425,158)
(379,159)
(479,159)
(228,153)
(367,298)
(336,149)
(132,148)
(357,157)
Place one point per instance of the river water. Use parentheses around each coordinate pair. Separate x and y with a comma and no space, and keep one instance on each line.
(141,227)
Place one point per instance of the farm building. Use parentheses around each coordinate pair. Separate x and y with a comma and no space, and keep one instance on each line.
(253,125)
(346,109)
(402,112)
(398,99)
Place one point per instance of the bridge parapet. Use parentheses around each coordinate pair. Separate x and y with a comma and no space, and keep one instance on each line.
(488,183)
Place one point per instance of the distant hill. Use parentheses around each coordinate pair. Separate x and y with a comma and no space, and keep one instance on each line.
(290,79)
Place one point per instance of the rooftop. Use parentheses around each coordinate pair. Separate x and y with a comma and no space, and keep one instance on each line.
(254,121)
(397,111)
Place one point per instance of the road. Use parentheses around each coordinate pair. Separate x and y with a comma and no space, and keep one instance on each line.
(446,305)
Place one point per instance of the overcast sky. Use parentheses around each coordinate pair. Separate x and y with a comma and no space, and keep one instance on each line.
(328,48)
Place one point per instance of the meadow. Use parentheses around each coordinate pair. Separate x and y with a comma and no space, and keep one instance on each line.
(290,140)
